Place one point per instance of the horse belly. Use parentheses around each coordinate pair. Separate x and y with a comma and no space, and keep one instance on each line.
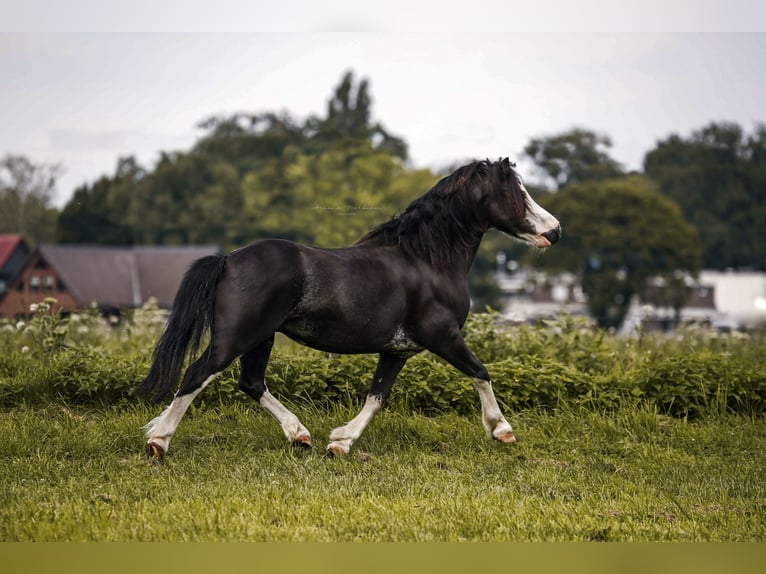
(350,305)
(332,337)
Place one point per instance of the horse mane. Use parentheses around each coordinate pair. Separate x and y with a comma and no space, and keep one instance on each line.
(446,218)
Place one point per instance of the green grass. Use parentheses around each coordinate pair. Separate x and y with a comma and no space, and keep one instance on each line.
(76,473)
(659,437)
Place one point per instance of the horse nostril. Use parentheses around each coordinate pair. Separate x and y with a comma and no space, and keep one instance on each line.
(553,235)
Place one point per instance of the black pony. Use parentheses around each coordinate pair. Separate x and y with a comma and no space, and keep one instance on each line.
(400,289)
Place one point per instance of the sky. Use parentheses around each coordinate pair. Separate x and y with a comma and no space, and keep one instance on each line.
(478,82)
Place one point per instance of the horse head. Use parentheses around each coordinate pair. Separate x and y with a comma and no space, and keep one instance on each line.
(510,209)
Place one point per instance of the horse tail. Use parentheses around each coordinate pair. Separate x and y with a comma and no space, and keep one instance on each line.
(191,317)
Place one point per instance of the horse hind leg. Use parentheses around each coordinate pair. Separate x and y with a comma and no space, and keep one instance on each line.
(252,382)
(160,430)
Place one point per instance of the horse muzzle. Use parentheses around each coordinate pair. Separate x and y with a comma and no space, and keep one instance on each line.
(549,237)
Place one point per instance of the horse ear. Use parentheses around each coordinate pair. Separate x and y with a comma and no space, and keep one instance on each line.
(505,165)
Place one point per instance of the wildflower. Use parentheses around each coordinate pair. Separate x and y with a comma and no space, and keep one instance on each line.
(20,325)
(25,349)
(33,307)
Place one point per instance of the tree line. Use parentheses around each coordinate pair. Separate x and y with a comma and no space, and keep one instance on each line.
(326,180)
(700,202)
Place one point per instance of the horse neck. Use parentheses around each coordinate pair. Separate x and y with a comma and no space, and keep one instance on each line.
(464,255)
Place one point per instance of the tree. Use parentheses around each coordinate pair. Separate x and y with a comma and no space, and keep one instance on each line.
(619,234)
(331,198)
(187,198)
(573,157)
(26,192)
(718,178)
(99,213)
(247,141)
(324,181)
(86,218)
(348,120)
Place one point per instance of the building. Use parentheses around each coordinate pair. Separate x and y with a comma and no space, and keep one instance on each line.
(14,252)
(113,278)
(725,300)
(534,295)
(739,297)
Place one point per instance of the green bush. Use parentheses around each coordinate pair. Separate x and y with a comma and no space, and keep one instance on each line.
(86,359)
(703,383)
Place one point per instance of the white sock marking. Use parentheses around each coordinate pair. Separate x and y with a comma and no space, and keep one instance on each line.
(291,426)
(493,420)
(343,437)
(162,428)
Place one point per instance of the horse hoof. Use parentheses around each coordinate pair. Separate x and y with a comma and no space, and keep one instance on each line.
(335,451)
(507,437)
(154,451)
(303,441)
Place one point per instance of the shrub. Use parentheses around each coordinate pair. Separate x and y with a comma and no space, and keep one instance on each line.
(84,358)
(703,383)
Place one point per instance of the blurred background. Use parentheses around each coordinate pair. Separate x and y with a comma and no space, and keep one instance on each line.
(648,144)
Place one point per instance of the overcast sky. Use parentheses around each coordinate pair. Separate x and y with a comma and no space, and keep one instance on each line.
(85,99)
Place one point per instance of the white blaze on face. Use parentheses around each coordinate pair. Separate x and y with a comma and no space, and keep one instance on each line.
(540,220)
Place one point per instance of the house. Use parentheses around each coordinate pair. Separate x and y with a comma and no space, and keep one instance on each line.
(14,252)
(739,297)
(724,300)
(113,278)
(533,295)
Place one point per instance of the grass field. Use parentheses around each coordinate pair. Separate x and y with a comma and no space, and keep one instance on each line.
(80,474)
(656,437)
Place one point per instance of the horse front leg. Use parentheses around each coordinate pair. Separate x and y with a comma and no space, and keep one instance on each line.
(386,372)
(451,347)
(491,417)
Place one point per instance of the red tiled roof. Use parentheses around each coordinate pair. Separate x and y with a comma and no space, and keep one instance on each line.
(8,243)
